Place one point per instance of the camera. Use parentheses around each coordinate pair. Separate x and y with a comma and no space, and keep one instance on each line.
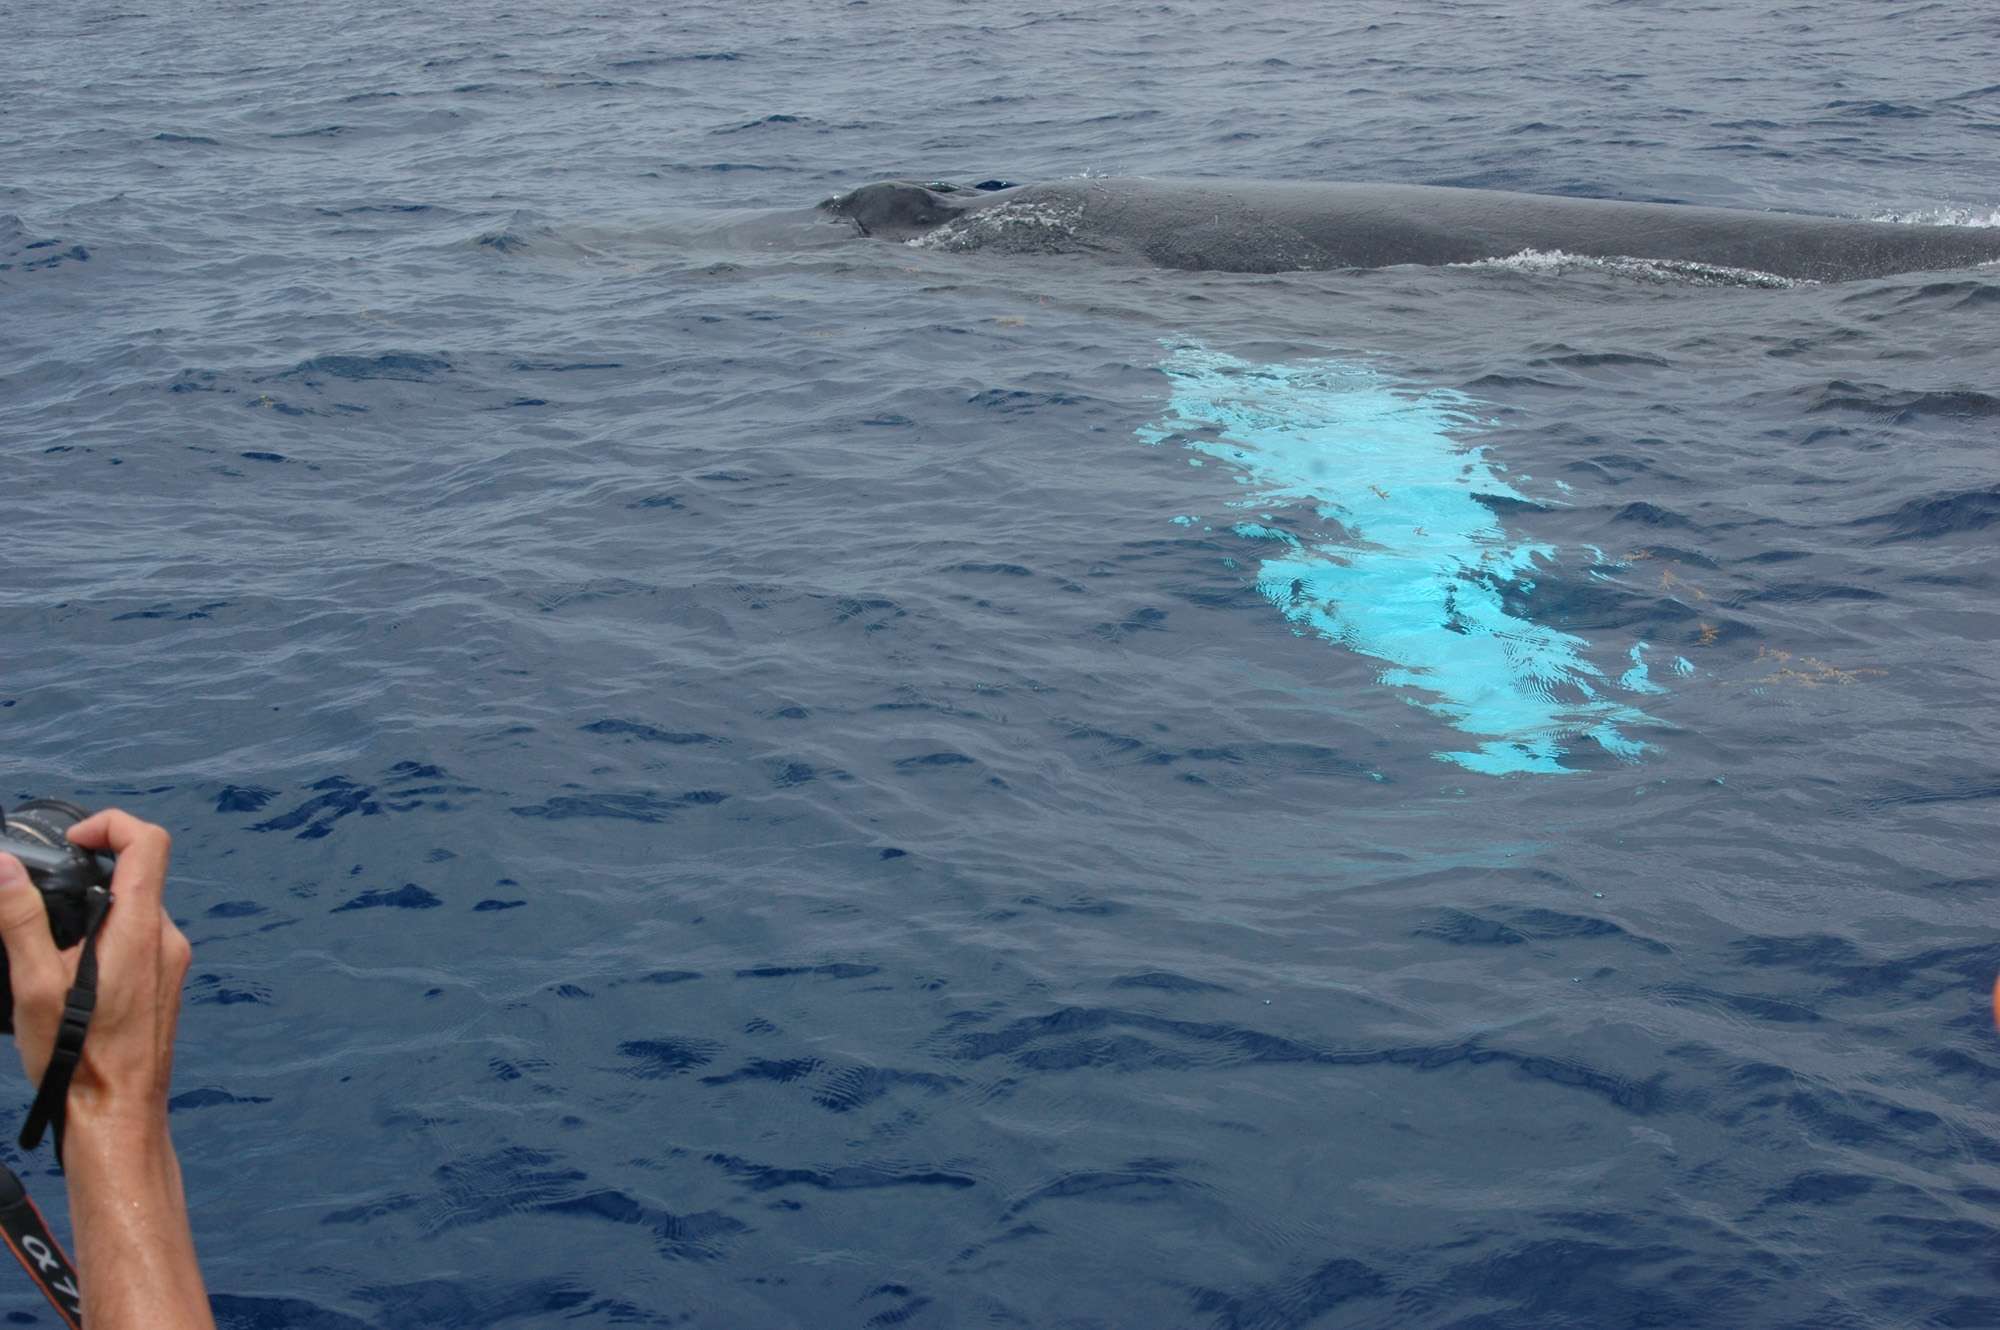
(66,874)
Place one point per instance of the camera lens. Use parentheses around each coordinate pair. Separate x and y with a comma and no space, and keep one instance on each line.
(44,821)
(66,874)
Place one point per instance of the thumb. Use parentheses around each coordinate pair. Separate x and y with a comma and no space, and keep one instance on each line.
(24,928)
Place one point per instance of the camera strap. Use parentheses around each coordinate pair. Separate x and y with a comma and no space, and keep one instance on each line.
(51,1106)
(36,1248)
(21,1223)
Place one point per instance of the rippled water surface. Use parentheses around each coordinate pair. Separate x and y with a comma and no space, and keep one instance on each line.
(731,774)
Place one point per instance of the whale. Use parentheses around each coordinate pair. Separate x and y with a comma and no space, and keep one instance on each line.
(1274,226)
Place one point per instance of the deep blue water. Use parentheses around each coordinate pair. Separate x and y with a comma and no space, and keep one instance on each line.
(732,775)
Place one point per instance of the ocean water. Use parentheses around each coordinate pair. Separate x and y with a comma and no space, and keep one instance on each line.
(730,774)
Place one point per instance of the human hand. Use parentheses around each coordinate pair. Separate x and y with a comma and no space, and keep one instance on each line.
(126,1201)
(142,958)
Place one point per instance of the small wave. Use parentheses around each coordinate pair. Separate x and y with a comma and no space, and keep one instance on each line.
(1879,110)
(1933,516)
(778,121)
(1573,359)
(522,232)
(18,252)
(1660,272)
(1954,295)
(406,366)
(1901,406)
(655,61)
(505,241)
(360,209)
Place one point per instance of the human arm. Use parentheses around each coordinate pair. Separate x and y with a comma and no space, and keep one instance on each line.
(135,1252)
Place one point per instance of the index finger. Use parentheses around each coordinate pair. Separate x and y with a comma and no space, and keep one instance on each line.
(141,847)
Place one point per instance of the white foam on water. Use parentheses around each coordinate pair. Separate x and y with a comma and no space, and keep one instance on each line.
(1659,272)
(1942,217)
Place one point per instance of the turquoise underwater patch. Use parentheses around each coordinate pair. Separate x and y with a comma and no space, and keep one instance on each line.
(1404,564)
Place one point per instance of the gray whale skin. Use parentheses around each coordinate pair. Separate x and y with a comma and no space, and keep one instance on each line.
(1253,226)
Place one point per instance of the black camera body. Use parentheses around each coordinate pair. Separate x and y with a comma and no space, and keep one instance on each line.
(66,874)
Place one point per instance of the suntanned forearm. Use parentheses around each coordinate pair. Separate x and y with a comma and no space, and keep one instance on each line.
(134,1251)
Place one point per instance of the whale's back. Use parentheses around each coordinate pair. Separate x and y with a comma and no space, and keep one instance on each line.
(1239,226)
(1285,226)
